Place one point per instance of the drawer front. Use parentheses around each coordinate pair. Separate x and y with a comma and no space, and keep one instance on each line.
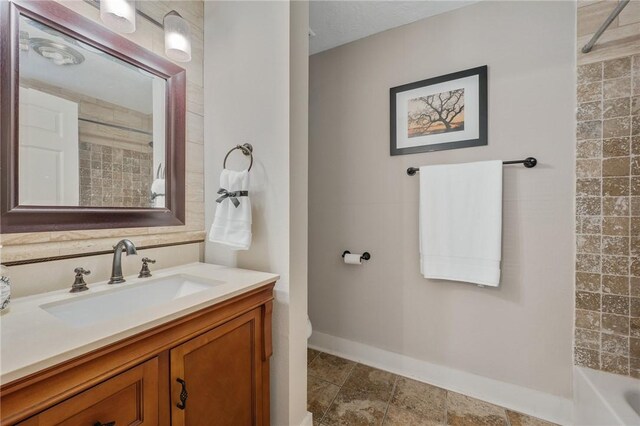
(130,398)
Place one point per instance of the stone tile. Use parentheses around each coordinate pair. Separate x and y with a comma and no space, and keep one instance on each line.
(371,380)
(589,149)
(320,394)
(590,187)
(635,144)
(588,301)
(617,324)
(611,108)
(615,186)
(619,67)
(398,417)
(617,246)
(311,355)
(635,267)
(588,168)
(330,368)
(618,166)
(587,358)
(616,147)
(635,166)
(587,263)
(421,398)
(635,186)
(634,287)
(591,224)
(588,339)
(634,246)
(589,92)
(614,284)
(592,129)
(519,419)
(589,206)
(590,72)
(616,88)
(614,304)
(634,327)
(463,410)
(615,265)
(634,348)
(353,408)
(588,244)
(635,124)
(614,344)
(615,363)
(634,307)
(591,111)
(588,281)
(587,319)
(612,225)
(615,206)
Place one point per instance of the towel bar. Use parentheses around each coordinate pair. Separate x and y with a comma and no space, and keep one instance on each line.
(528,162)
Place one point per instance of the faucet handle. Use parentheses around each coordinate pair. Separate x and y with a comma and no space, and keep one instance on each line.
(79,284)
(81,271)
(145,272)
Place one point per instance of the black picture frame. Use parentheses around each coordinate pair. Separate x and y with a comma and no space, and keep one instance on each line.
(482,138)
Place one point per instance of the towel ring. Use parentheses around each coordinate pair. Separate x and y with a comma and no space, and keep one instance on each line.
(247,149)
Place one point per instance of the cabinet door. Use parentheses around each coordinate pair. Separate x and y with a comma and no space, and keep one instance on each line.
(219,375)
(130,398)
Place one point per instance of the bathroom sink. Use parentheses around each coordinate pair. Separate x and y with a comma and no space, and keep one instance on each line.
(89,309)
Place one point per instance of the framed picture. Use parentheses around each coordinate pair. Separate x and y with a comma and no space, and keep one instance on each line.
(439,113)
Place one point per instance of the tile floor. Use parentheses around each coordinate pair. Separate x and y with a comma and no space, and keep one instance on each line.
(343,392)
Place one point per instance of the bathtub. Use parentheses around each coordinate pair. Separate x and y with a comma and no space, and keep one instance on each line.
(605,399)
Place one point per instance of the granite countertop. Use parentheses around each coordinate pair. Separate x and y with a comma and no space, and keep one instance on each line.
(32,339)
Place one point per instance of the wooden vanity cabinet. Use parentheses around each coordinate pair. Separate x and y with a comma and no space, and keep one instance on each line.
(210,367)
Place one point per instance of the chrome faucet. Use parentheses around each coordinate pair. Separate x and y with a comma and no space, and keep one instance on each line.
(116,269)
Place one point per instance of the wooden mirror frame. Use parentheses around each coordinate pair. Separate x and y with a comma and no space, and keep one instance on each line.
(15,218)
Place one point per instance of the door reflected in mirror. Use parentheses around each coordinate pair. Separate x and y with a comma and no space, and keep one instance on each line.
(92,126)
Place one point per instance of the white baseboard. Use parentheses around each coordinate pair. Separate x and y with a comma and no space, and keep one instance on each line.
(308,420)
(517,398)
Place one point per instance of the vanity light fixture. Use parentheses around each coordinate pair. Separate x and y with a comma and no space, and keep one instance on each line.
(120,15)
(177,37)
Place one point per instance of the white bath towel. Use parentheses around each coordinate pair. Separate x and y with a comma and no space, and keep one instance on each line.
(461,222)
(232,221)
(157,192)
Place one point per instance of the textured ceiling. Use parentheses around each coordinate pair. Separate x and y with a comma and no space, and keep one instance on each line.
(338,22)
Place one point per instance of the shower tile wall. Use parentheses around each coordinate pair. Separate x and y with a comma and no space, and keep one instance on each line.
(607,333)
(115,177)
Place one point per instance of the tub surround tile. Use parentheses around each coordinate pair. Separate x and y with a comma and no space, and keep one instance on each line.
(588,320)
(618,324)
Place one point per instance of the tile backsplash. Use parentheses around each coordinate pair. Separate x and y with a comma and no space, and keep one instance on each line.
(607,333)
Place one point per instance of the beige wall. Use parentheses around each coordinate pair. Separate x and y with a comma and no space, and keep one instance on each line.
(47,244)
(256,92)
(361,198)
(607,334)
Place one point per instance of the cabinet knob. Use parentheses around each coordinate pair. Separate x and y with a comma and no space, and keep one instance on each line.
(183,395)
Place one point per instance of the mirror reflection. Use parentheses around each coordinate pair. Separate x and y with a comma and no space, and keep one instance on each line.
(92,127)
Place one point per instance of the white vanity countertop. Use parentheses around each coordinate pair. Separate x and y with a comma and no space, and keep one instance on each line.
(32,339)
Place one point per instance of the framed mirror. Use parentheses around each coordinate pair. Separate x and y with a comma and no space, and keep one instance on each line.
(92,125)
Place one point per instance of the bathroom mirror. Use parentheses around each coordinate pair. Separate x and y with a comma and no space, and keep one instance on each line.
(92,125)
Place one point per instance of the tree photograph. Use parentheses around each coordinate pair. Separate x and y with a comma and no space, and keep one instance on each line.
(437,113)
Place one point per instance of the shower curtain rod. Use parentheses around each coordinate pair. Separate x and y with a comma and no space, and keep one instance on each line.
(614,14)
(528,162)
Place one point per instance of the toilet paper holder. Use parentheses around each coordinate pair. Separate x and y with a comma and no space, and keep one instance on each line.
(365,255)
